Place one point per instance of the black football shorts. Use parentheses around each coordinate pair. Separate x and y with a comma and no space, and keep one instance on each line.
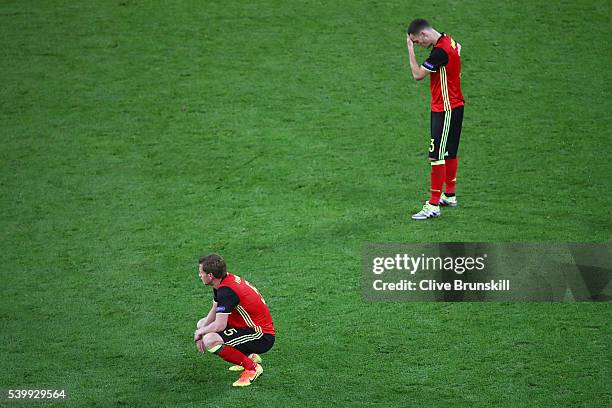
(445,134)
(247,340)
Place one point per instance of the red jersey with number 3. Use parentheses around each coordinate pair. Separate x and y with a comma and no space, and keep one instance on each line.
(444,63)
(246,307)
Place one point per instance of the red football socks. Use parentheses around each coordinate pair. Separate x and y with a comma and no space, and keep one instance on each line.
(232,355)
(451,176)
(438,175)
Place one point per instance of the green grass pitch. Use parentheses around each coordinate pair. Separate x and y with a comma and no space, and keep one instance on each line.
(138,135)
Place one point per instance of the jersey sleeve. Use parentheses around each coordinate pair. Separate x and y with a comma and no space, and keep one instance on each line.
(226,299)
(437,58)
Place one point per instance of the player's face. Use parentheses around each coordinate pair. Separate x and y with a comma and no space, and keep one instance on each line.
(420,39)
(205,277)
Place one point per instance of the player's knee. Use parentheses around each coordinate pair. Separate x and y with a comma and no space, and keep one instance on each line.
(212,341)
(201,323)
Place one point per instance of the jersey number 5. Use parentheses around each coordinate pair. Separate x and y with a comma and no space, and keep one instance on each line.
(230,332)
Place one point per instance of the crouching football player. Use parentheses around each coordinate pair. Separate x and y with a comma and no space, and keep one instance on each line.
(238,326)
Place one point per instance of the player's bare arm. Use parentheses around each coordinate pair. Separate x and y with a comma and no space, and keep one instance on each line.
(418,72)
(209,318)
(217,325)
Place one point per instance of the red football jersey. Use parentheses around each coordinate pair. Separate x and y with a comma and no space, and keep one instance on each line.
(444,63)
(245,305)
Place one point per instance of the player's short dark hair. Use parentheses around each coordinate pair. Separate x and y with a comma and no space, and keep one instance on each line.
(417,25)
(215,264)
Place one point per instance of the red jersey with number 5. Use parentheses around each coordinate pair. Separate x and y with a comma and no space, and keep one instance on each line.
(444,63)
(246,307)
